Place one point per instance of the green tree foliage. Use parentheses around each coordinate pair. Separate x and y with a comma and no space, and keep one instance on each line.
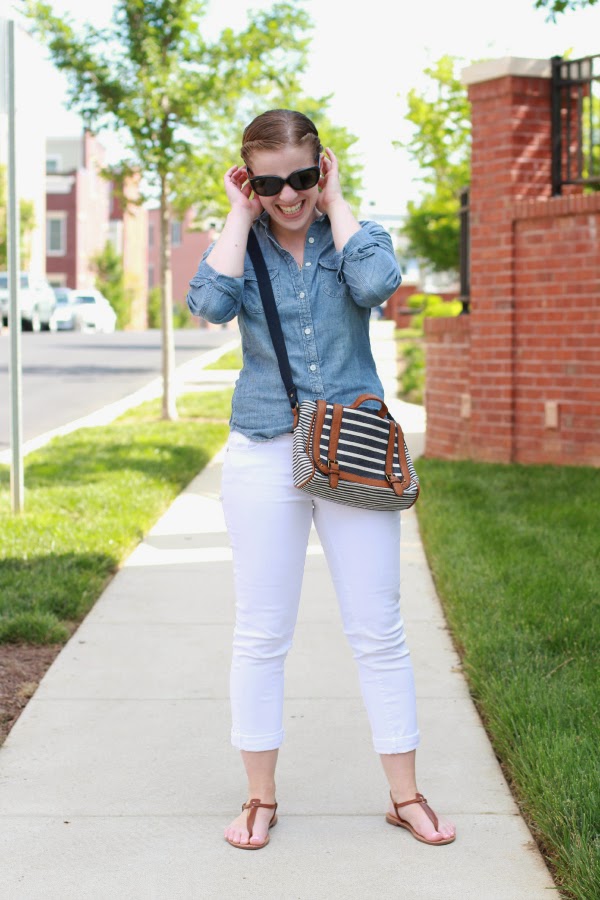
(110,281)
(557,7)
(26,225)
(176,98)
(441,145)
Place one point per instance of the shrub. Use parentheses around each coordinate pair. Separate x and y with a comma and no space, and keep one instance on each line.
(182,317)
(431,306)
(110,281)
(154,313)
(412,380)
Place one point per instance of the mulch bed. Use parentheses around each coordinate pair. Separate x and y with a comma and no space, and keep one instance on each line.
(22,667)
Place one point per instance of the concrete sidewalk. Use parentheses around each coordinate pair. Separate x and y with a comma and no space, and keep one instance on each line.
(118,778)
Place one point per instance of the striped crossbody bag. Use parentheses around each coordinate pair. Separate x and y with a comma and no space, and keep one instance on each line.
(349,454)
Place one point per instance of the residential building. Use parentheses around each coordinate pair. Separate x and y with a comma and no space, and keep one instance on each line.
(77,209)
(187,247)
(128,229)
(84,212)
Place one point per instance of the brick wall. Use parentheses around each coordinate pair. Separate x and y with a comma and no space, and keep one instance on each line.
(447,361)
(519,374)
(557,330)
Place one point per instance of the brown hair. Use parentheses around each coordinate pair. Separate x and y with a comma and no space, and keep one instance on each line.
(277,128)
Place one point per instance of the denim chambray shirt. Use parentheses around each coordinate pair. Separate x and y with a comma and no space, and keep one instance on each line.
(324,309)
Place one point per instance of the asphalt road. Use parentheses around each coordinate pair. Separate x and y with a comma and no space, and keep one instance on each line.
(67,374)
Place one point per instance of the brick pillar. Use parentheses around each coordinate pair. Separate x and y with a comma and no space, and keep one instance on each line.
(511,159)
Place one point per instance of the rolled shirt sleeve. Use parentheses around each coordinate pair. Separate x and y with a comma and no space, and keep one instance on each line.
(368,265)
(215,297)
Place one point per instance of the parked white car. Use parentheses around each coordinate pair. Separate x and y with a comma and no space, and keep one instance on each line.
(36,302)
(63,316)
(92,311)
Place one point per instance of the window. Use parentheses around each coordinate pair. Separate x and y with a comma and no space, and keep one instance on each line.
(4,282)
(150,276)
(56,234)
(175,234)
(151,234)
(53,164)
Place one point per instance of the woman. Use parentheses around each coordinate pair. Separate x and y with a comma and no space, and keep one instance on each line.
(327,271)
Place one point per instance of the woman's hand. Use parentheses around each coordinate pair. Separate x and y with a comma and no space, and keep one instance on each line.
(238,192)
(329,183)
(331,201)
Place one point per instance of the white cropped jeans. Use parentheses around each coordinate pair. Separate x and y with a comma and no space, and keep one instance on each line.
(269,521)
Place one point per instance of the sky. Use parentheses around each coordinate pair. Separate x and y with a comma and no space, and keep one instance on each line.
(369,55)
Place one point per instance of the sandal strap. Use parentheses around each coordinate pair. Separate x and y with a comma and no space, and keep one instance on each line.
(418,799)
(253,805)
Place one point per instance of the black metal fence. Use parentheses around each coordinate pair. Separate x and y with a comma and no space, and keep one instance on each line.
(465,252)
(575,122)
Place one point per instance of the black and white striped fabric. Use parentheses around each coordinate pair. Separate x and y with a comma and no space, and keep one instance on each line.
(361,452)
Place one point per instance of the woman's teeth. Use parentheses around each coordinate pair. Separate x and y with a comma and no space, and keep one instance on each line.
(291,210)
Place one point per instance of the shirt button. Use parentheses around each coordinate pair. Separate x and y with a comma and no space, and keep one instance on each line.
(311,240)
(302,295)
(308,264)
(312,367)
(307,331)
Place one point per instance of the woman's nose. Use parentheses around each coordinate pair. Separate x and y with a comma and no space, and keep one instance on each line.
(288,194)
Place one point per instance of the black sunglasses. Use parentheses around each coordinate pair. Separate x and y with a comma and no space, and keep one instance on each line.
(300,180)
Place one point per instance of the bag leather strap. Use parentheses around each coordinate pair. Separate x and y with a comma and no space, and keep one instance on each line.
(273,321)
(382,412)
(334,437)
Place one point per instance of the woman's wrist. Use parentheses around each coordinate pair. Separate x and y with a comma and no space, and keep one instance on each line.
(343,222)
(339,206)
(240,218)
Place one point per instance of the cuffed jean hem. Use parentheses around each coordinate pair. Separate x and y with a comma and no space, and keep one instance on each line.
(397,745)
(257,742)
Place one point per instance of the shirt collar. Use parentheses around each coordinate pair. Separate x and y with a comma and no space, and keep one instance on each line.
(265,219)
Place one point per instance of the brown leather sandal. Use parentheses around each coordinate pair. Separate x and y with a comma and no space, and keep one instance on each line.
(253,805)
(403,823)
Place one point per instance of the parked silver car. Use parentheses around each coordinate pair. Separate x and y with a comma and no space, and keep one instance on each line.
(36,302)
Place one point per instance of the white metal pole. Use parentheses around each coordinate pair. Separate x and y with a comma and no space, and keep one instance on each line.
(17,485)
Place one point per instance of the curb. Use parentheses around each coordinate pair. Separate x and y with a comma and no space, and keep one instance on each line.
(111,411)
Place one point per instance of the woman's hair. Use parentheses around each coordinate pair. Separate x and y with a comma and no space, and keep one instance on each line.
(278,128)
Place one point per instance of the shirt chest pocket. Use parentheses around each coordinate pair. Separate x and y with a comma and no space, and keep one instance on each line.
(330,279)
(251,299)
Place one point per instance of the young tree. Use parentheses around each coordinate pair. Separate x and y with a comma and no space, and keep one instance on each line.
(172,94)
(26,225)
(441,145)
(556,7)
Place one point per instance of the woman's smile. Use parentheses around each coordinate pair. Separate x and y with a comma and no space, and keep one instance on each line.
(291,211)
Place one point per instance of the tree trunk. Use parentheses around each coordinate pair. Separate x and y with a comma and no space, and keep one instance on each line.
(169,408)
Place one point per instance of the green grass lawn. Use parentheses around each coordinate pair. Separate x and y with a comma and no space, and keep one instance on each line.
(90,498)
(514,552)
(230,360)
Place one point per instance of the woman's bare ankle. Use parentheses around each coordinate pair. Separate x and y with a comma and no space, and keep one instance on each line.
(262,790)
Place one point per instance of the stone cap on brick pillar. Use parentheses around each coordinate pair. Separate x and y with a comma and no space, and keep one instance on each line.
(507,65)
